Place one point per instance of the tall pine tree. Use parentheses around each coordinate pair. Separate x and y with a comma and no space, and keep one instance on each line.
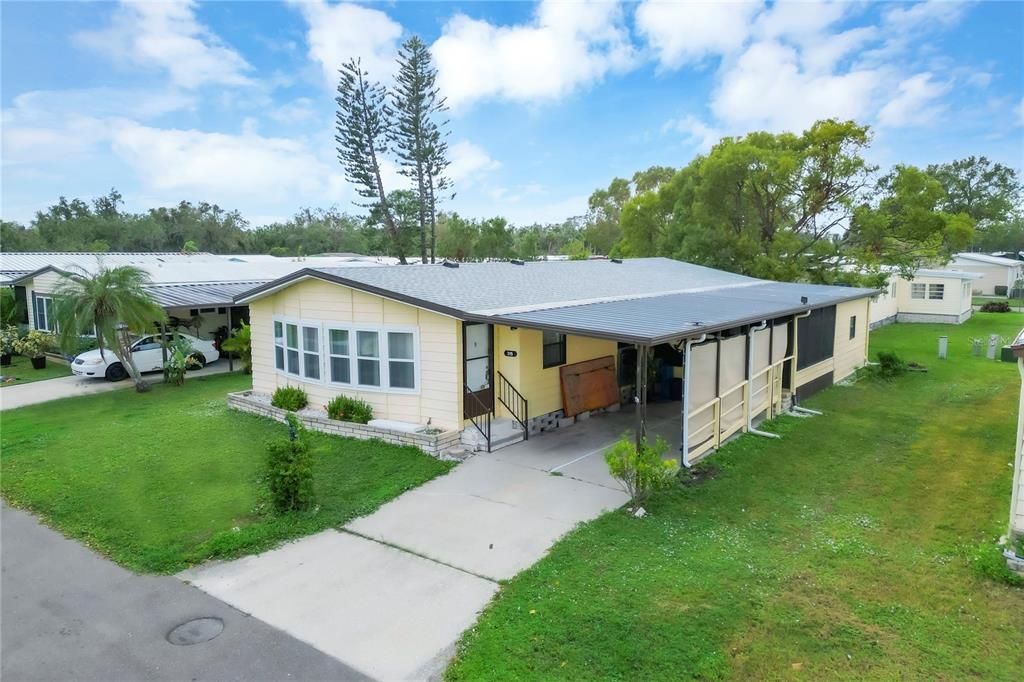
(364,127)
(418,136)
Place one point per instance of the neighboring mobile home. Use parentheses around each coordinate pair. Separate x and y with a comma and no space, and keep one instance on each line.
(196,289)
(536,344)
(930,296)
(998,275)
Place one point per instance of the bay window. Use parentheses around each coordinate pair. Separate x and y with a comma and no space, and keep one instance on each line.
(375,358)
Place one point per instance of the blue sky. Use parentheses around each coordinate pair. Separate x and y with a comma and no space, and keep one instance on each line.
(232,102)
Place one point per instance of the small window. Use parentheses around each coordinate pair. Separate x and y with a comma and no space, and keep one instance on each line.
(917,290)
(192,312)
(936,292)
(279,345)
(401,362)
(44,314)
(368,358)
(311,353)
(554,349)
(291,349)
(892,289)
(341,359)
(853,326)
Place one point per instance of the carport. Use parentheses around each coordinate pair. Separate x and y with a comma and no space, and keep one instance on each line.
(738,349)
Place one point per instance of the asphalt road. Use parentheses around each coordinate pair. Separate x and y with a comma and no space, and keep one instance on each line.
(68,614)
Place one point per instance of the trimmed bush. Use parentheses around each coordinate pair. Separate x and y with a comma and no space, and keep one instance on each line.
(348,409)
(289,398)
(995,307)
(290,469)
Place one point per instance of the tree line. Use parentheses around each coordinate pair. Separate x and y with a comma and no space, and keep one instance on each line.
(778,206)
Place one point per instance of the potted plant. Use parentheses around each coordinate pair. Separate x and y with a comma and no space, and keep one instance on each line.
(34,345)
(8,341)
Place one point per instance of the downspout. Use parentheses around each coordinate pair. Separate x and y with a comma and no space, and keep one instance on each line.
(684,447)
(750,372)
(796,354)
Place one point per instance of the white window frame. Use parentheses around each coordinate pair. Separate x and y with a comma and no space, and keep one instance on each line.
(47,307)
(941,288)
(324,354)
(304,352)
(919,286)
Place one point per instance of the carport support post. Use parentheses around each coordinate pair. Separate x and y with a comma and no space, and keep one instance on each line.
(163,347)
(641,394)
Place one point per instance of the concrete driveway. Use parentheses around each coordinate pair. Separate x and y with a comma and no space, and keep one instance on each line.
(69,614)
(392,592)
(12,397)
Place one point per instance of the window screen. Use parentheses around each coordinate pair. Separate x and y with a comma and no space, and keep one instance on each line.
(554,349)
(816,335)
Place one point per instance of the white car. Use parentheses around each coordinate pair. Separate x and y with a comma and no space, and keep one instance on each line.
(147,354)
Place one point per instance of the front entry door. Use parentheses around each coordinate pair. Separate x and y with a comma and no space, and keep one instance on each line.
(477,345)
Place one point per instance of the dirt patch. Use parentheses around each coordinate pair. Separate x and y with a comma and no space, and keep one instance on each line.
(698,475)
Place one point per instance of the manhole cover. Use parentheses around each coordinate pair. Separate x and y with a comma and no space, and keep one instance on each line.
(196,631)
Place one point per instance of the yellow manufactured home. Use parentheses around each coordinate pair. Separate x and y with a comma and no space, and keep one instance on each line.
(504,350)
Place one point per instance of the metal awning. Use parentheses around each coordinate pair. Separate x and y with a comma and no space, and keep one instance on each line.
(199,295)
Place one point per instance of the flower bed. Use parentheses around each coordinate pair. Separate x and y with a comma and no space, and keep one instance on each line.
(434,444)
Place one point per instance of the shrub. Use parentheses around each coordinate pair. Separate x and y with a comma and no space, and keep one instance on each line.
(995,307)
(290,469)
(8,339)
(241,342)
(34,344)
(180,359)
(890,365)
(289,398)
(641,471)
(348,409)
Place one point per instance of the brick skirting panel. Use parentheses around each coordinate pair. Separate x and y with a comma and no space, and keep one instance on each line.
(434,445)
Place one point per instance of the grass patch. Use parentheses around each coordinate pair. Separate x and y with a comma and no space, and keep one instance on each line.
(860,545)
(23,373)
(166,479)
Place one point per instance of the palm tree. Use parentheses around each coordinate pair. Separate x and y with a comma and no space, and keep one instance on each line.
(113,302)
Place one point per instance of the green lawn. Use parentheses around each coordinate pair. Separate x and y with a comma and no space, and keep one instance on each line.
(21,370)
(162,480)
(860,545)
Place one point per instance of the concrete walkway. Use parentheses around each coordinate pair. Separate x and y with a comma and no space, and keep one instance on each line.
(12,397)
(69,614)
(391,593)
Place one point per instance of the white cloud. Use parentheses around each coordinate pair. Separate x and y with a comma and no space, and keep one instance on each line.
(768,88)
(566,46)
(924,15)
(695,131)
(337,33)
(914,103)
(296,111)
(469,161)
(980,79)
(167,36)
(688,32)
(226,166)
(1019,111)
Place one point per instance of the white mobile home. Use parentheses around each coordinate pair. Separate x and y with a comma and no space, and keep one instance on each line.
(942,296)
(997,275)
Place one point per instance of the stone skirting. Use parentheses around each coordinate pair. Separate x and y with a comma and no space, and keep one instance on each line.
(434,445)
(883,322)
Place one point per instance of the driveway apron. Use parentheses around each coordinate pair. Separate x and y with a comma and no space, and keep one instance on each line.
(392,592)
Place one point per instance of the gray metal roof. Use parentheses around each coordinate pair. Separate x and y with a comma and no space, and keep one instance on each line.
(664,318)
(199,294)
(496,287)
(641,300)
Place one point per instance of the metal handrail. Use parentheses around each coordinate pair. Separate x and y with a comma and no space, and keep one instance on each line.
(515,402)
(484,416)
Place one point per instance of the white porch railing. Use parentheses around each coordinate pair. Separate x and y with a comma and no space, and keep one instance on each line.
(711,424)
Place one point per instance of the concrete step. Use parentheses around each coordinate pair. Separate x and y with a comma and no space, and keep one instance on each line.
(504,432)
